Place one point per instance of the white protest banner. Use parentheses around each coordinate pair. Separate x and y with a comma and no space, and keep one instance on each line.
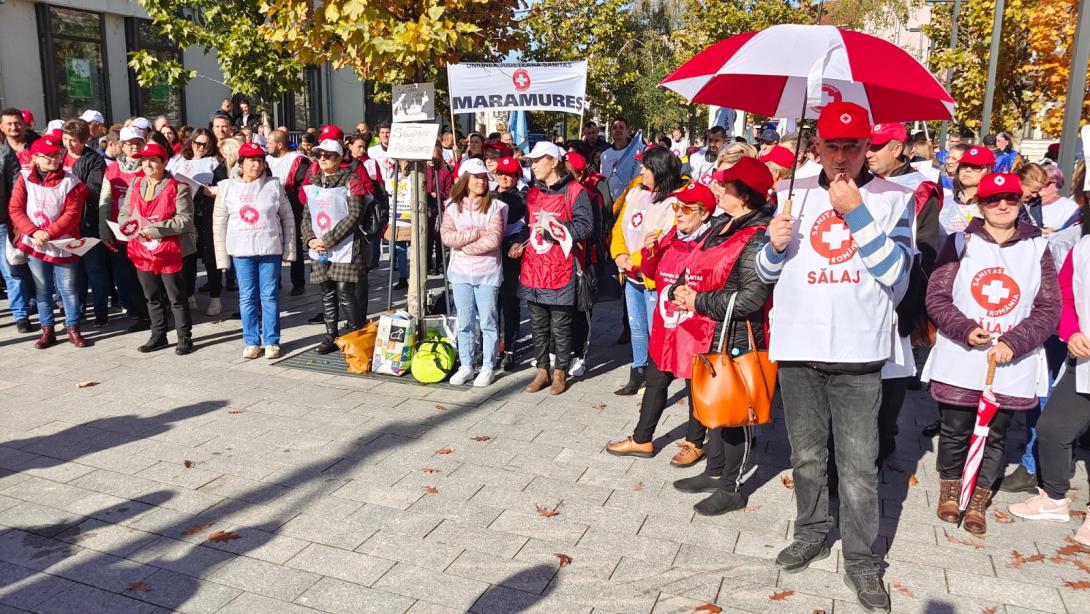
(79,247)
(412,141)
(553,86)
(414,102)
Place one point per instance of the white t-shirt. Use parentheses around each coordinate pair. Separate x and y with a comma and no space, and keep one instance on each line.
(1058,212)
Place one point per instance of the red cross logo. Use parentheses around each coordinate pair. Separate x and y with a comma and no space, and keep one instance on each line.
(76,244)
(558,231)
(830,238)
(670,314)
(521,79)
(41,219)
(250,215)
(323,221)
(637,220)
(129,228)
(706,178)
(834,95)
(995,291)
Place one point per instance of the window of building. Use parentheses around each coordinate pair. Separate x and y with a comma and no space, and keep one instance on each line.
(74,70)
(159,99)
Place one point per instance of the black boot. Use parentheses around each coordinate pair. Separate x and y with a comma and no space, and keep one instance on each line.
(185,345)
(327,346)
(157,342)
(698,483)
(721,502)
(636,379)
(1020,480)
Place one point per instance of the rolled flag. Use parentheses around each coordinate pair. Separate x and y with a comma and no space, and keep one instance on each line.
(985,411)
(78,247)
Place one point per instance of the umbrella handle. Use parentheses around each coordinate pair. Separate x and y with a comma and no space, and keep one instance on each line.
(991,371)
(786,207)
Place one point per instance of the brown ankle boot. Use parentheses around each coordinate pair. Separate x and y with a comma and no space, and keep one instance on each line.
(948,501)
(541,380)
(974,521)
(560,382)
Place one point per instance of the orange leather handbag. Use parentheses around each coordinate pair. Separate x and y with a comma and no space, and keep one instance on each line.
(733,391)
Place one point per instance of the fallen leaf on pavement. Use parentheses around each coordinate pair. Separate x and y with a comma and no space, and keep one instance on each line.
(787,482)
(963,542)
(139,587)
(901,588)
(780,596)
(1079,585)
(188,464)
(223,536)
(86,384)
(991,610)
(1082,564)
(564,559)
(548,512)
(234,411)
(1002,517)
(818,612)
(1072,548)
(197,528)
(913,480)
(752,508)
(431,490)
(1018,559)
(481,438)
(444,450)
(1077,515)
(440,407)
(429,470)
(711,608)
(638,487)
(599,406)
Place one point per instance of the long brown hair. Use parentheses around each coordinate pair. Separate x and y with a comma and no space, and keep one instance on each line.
(460,192)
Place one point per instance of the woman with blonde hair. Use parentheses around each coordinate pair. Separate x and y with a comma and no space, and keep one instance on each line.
(734,152)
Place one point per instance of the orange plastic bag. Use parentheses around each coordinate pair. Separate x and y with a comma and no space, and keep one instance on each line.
(358,347)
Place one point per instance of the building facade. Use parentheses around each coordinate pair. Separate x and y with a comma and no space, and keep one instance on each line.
(61,57)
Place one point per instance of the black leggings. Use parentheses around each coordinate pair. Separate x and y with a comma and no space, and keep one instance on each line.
(580,333)
(729,450)
(893,397)
(954,435)
(1064,418)
(654,404)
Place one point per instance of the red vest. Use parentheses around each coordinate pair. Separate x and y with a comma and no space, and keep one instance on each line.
(158,255)
(551,270)
(705,271)
(119,184)
(669,355)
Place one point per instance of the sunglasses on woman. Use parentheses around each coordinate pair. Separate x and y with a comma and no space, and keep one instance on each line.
(686,208)
(993,201)
(201,144)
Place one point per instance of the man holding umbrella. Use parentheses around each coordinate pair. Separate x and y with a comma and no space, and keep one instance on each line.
(840,262)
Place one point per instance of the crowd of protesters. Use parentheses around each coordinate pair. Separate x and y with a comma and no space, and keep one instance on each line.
(893,251)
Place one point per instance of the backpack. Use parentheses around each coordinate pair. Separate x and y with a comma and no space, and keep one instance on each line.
(433,360)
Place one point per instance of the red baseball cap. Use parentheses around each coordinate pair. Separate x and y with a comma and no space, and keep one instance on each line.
(47,145)
(577,161)
(843,120)
(978,155)
(999,183)
(649,147)
(884,133)
(251,150)
(696,193)
(152,150)
(28,117)
(751,172)
(499,146)
(511,166)
(330,132)
(779,155)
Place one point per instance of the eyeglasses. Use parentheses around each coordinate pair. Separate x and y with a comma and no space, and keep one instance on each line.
(201,144)
(686,208)
(973,167)
(326,155)
(994,201)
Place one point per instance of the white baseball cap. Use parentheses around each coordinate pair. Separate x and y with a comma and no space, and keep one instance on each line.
(331,146)
(472,166)
(142,123)
(545,148)
(56,124)
(92,116)
(129,133)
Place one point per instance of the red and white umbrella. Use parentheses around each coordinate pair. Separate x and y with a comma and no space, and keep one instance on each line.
(985,411)
(794,70)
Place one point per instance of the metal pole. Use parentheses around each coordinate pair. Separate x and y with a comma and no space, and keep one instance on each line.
(1076,93)
(391,250)
(993,63)
(950,71)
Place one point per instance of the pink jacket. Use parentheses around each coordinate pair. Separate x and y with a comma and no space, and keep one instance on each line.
(1069,320)
(475,240)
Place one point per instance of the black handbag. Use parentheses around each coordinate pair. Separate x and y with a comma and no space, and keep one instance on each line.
(586,287)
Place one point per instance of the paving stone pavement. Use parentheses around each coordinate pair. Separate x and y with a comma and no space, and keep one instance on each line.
(331,494)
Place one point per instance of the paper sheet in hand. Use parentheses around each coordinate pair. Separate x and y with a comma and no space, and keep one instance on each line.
(78,247)
(123,234)
(556,230)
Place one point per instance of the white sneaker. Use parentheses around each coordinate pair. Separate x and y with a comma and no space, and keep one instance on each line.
(484,378)
(214,307)
(462,376)
(578,367)
(1041,507)
(251,351)
(272,352)
(192,302)
(552,361)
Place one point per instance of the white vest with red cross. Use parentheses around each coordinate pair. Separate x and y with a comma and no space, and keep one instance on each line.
(995,287)
(327,207)
(253,224)
(44,205)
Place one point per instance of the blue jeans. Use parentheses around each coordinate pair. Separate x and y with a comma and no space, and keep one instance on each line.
(473,301)
(94,273)
(17,279)
(59,278)
(640,305)
(401,253)
(258,277)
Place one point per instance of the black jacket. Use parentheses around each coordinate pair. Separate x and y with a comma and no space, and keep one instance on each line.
(581,225)
(927,223)
(90,168)
(752,292)
(9,172)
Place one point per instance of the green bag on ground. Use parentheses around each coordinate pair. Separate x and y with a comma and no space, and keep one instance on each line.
(433,360)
